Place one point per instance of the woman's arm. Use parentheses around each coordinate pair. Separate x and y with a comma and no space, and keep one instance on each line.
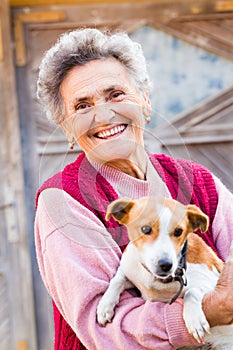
(218,304)
(223,222)
(77,258)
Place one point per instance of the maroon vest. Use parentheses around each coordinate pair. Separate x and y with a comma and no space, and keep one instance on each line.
(187,182)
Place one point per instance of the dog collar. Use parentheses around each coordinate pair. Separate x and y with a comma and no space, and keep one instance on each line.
(180,273)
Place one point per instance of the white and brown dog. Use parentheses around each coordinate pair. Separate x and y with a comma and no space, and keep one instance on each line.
(164,254)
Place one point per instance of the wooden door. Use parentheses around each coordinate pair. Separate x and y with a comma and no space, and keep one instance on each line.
(45,149)
(17,322)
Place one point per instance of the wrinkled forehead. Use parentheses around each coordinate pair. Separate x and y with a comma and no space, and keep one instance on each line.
(108,71)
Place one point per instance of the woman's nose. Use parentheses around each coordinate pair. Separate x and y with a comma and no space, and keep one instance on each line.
(103,113)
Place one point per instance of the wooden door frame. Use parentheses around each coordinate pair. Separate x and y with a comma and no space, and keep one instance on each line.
(22,310)
(197,5)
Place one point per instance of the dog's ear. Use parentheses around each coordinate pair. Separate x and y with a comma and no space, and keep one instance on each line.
(197,218)
(120,209)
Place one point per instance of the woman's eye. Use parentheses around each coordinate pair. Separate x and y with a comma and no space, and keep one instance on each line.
(146,230)
(178,232)
(117,95)
(81,106)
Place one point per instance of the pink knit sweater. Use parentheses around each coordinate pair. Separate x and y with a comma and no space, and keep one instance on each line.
(77,257)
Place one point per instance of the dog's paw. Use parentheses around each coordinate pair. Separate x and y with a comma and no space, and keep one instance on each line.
(196,324)
(105,312)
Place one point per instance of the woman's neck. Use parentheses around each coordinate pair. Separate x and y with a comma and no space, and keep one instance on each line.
(134,166)
(127,167)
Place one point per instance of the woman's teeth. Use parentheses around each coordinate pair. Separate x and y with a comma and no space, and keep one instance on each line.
(111,132)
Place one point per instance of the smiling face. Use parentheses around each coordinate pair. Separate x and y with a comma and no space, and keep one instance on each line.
(104,111)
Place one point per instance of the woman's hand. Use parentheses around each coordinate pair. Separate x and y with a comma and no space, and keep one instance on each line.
(218,304)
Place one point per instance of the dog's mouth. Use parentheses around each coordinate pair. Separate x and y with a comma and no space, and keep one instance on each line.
(163,277)
(167,279)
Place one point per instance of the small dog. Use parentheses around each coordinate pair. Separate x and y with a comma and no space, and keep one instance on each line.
(164,260)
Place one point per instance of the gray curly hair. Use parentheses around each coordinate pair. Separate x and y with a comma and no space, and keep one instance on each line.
(77,48)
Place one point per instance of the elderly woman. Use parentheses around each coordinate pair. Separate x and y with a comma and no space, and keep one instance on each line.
(95,86)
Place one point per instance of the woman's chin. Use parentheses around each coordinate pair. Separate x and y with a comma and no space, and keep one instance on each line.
(106,155)
(115,150)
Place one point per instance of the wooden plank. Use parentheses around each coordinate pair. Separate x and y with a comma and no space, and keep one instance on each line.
(191,140)
(219,5)
(30,17)
(199,38)
(199,118)
(204,17)
(159,11)
(207,155)
(188,30)
(203,113)
(223,116)
(226,24)
(211,129)
(226,155)
(204,110)
(1,39)
(5,322)
(22,307)
(18,3)
(40,16)
(32,172)
(127,26)
(224,5)
(209,151)
(213,30)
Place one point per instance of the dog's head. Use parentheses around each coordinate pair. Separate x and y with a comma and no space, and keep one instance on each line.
(158,228)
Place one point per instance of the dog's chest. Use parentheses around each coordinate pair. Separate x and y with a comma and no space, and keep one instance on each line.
(159,291)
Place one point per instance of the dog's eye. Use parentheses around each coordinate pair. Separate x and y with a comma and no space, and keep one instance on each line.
(146,230)
(178,232)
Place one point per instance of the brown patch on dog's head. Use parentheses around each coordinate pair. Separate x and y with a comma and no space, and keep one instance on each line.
(138,216)
(197,218)
(120,209)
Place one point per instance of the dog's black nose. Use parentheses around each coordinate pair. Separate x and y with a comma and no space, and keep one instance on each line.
(165,265)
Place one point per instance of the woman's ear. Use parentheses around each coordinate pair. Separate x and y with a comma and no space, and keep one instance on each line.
(146,104)
(66,130)
(68,134)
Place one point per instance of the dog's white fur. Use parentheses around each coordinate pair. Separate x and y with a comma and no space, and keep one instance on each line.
(139,265)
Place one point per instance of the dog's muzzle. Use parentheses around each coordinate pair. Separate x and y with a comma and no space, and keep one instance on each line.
(179,275)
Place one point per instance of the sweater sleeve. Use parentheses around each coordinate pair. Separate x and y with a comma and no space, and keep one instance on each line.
(223,221)
(77,257)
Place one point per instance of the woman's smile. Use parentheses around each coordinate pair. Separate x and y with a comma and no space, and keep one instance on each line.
(111,131)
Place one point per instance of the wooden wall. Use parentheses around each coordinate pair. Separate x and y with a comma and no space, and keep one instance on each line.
(17,323)
(205,135)
(32,148)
